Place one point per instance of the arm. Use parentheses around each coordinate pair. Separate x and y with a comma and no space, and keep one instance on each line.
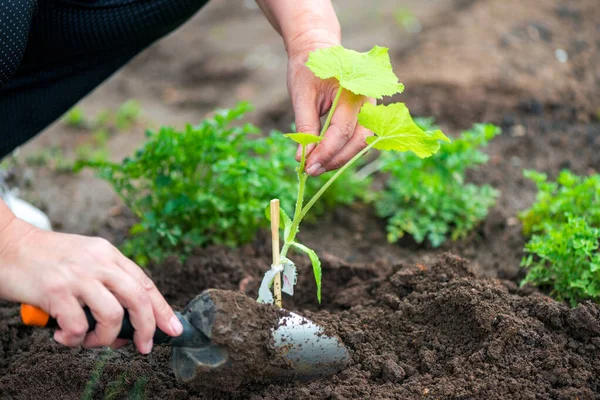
(305,26)
(58,272)
(300,23)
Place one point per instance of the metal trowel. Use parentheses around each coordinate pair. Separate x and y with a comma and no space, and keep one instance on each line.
(228,335)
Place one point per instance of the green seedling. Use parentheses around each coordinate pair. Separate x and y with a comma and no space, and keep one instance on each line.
(127,114)
(367,74)
(565,259)
(569,194)
(75,118)
(430,199)
(407,20)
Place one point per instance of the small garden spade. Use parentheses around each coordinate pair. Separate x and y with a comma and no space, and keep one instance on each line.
(297,348)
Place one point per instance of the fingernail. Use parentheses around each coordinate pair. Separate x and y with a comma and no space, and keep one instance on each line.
(175,325)
(147,348)
(314,169)
(59,336)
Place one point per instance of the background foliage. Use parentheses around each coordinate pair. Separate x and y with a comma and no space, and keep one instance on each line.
(208,184)
(430,198)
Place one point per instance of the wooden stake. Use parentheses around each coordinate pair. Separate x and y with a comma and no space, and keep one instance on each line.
(275,244)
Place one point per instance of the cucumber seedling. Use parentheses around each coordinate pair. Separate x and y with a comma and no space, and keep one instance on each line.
(367,74)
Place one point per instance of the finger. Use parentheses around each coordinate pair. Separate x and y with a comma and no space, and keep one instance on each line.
(71,319)
(107,312)
(341,130)
(353,147)
(117,344)
(306,116)
(134,298)
(165,318)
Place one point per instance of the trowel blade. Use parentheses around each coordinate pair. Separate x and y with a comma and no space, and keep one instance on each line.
(311,353)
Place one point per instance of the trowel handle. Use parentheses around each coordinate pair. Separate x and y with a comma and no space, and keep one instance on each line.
(34,316)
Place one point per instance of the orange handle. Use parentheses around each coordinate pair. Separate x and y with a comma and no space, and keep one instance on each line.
(34,316)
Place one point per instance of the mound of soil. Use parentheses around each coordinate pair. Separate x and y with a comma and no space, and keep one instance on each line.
(412,330)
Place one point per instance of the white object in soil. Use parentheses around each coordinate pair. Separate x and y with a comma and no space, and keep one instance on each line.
(25,211)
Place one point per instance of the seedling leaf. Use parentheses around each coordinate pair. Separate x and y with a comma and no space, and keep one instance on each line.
(316,264)
(369,74)
(395,130)
(304,138)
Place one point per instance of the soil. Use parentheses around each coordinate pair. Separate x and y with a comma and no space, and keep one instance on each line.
(413,331)
(242,327)
(447,323)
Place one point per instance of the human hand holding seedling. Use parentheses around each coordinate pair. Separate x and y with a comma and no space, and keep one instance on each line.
(362,74)
(307,26)
(59,273)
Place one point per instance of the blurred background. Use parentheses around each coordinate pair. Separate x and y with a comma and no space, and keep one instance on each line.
(462,61)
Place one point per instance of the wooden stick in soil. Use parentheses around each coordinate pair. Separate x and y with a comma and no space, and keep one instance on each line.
(275,244)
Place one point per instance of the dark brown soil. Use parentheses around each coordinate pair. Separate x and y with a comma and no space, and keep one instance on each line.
(242,328)
(412,330)
(419,322)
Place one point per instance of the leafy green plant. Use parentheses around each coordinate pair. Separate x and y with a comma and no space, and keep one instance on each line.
(569,194)
(565,258)
(75,118)
(368,74)
(204,185)
(407,20)
(51,157)
(429,198)
(127,114)
(92,383)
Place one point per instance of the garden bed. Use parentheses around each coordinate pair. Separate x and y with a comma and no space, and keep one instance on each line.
(412,329)
(419,322)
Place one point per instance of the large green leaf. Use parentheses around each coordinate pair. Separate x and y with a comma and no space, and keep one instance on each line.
(369,74)
(395,130)
(316,264)
(304,138)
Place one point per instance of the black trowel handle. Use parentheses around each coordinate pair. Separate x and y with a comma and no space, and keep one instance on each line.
(34,316)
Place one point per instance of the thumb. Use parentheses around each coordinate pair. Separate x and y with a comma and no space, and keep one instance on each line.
(306,116)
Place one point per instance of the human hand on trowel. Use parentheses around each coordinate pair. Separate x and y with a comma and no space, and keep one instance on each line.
(95,296)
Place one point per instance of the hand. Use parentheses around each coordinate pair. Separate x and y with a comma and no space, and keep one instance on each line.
(312,98)
(60,272)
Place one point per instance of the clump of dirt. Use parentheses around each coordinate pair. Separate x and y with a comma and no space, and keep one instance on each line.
(243,329)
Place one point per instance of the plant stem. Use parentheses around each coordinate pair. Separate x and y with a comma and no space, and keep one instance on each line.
(331,111)
(302,176)
(333,178)
(300,212)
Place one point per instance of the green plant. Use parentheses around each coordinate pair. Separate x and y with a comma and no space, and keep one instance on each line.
(139,388)
(127,114)
(566,259)
(430,198)
(368,74)
(52,157)
(75,118)
(570,194)
(114,389)
(92,383)
(407,20)
(204,185)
